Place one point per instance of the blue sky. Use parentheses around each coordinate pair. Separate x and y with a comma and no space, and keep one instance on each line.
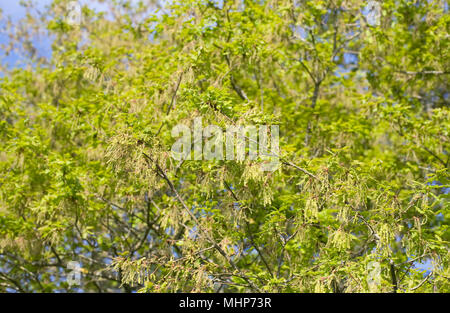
(13,9)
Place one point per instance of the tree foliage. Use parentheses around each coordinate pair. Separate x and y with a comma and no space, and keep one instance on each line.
(85,136)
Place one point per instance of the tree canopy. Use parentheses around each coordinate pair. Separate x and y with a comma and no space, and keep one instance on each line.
(362,105)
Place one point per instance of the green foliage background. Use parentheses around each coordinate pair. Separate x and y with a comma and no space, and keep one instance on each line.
(86,173)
